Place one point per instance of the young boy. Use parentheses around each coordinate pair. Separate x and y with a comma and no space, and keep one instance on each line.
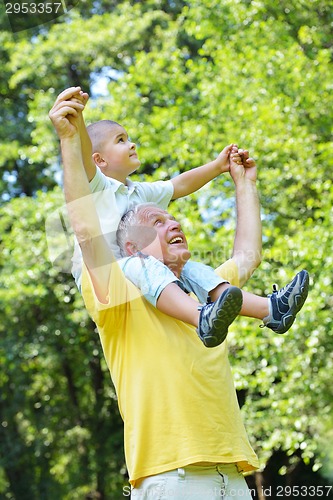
(106,145)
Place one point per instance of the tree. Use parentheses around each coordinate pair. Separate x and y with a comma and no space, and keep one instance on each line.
(61,433)
(184,80)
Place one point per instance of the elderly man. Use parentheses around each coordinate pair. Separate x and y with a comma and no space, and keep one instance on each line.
(184,435)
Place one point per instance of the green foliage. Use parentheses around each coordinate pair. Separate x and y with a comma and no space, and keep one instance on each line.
(185,79)
(58,408)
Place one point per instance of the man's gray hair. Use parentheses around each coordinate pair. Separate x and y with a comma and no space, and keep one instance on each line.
(129,226)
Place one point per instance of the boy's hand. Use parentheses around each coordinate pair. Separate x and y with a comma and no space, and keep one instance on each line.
(222,161)
(241,165)
(81,98)
(65,111)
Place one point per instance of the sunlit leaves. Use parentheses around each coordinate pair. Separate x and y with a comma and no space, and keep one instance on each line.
(184,80)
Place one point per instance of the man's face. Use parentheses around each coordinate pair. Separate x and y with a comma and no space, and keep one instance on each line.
(169,244)
(119,152)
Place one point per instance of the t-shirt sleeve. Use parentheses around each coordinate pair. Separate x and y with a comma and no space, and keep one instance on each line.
(229,271)
(159,192)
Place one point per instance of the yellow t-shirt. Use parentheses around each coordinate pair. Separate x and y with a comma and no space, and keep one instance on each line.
(176,396)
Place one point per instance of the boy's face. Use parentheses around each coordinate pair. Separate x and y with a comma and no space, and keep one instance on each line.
(170,244)
(118,154)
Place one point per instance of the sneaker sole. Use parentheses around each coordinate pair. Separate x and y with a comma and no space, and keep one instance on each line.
(228,311)
(298,301)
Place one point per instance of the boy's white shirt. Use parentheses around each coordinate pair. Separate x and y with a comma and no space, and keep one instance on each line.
(112,199)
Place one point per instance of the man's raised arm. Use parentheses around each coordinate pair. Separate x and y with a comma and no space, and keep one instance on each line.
(97,255)
(247,249)
(86,146)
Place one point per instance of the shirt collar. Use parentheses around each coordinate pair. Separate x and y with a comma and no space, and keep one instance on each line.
(120,186)
(131,186)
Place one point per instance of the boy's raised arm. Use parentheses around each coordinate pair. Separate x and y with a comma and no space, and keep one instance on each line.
(192,180)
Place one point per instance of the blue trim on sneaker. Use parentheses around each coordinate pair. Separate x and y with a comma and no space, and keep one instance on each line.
(286,303)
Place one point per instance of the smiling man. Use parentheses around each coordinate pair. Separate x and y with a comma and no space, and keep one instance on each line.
(183,429)
(157,233)
(183,432)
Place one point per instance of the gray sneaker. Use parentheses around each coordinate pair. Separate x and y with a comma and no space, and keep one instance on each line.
(216,317)
(284,304)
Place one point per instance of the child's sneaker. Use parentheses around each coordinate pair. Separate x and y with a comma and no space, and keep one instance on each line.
(216,317)
(284,304)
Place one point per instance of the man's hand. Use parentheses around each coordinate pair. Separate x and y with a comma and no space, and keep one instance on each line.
(241,166)
(65,112)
